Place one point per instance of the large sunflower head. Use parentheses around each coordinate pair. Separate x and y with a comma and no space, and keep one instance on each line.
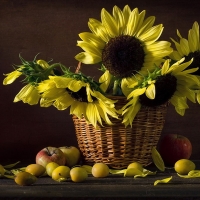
(188,48)
(124,42)
(170,83)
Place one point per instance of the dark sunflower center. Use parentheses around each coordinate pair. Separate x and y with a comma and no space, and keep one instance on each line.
(123,56)
(196,61)
(80,95)
(165,88)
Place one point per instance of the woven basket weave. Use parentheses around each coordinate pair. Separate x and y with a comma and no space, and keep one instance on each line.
(118,146)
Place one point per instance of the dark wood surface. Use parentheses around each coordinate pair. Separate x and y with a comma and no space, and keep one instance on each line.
(112,187)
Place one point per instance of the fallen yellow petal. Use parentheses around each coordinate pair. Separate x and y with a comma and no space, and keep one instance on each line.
(166,180)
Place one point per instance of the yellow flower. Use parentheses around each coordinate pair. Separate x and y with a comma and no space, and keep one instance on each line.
(63,92)
(172,84)
(188,48)
(125,43)
(184,79)
(28,94)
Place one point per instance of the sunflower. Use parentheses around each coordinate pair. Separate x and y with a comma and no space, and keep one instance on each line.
(169,84)
(34,71)
(28,94)
(83,100)
(125,43)
(188,48)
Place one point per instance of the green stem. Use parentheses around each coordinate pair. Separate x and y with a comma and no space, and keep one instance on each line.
(116,87)
(51,67)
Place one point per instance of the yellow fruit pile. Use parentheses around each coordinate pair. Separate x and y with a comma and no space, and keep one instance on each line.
(79,173)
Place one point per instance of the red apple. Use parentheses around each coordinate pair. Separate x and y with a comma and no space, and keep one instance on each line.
(50,154)
(174,147)
(72,155)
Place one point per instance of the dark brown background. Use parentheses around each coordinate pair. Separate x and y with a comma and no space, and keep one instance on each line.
(52,28)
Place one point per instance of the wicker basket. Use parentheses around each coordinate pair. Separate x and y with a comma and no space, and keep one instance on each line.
(118,146)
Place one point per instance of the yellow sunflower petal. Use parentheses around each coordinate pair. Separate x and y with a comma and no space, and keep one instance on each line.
(184,46)
(43,64)
(104,115)
(180,111)
(165,180)
(140,20)
(125,86)
(165,67)
(28,94)
(107,109)
(187,93)
(11,77)
(188,79)
(175,55)
(98,114)
(93,39)
(78,109)
(45,102)
(126,13)
(178,47)
(151,91)
(189,71)
(75,85)
(119,18)
(90,48)
(148,23)
(105,80)
(180,104)
(132,23)
(91,113)
(98,29)
(152,34)
(88,92)
(176,69)
(110,24)
(179,34)
(63,102)
(60,82)
(45,85)
(131,111)
(53,93)
(88,58)
(198,97)
(137,92)
(195,28)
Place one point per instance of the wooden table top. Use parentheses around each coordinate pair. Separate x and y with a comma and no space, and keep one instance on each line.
(113,187)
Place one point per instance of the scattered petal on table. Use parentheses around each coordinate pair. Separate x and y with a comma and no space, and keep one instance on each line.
(166,180)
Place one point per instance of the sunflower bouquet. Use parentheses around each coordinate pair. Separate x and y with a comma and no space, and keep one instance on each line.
(134,64)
